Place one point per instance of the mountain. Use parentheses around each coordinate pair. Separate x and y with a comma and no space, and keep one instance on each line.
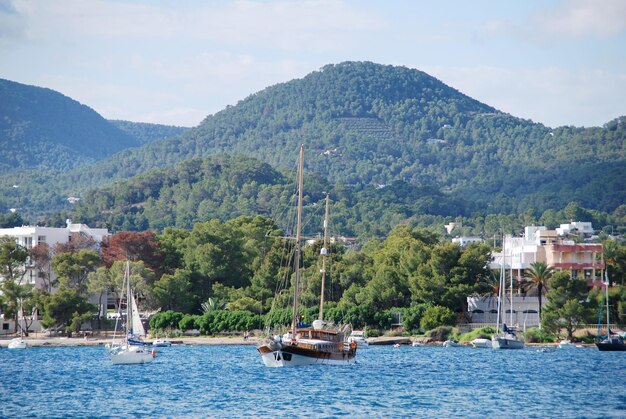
(41,128)
(146,133)
(367,125)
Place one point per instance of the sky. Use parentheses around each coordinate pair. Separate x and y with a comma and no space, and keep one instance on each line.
(557,62)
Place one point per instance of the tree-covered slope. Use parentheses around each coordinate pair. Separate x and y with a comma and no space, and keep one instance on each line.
(367,124)
(224,187)
(43,128)
(147,133)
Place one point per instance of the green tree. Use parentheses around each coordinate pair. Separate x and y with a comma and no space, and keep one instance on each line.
(538,275)
(73,269)
(436,316)
(12,259)
(100,283)
(567,306)
(63,307)
(173,292)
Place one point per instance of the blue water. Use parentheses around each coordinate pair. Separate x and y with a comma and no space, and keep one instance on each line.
(231,381)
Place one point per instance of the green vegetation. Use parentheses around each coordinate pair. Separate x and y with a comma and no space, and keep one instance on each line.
(146,133)
(438,152)
(43,129)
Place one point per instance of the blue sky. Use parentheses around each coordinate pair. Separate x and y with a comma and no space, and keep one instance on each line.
(175,62)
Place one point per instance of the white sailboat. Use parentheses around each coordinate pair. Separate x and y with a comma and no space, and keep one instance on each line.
(507,339)
(611,341)
(131,350)
(321,343)
(19,343)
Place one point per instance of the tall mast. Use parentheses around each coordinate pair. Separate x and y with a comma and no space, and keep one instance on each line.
(296,296)
(608,327)
(324,252)
(511,280)
(128,308)
(500,284)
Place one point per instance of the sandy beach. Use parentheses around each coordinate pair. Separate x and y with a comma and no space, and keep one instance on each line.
(95,341)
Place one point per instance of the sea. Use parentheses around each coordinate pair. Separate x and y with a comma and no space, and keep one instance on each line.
(231,381)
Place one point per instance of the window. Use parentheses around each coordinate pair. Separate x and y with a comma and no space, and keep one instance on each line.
(530,311)
(41,239)
(477,311)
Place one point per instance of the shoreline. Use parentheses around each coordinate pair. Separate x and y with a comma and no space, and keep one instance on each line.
(95,341)
(221,340)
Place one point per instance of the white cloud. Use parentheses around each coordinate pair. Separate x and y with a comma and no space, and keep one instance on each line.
(574,19)
(315,25)
(552,96)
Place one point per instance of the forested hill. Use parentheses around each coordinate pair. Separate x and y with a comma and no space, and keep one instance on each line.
(147,133)
(45,129)
(224,187)
(368,125)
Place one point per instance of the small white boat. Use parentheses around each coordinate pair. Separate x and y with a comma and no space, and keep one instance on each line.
(18,343)
(566,344)
(161,343)
(481,343)
(417,344)
(451,344)
(358,336)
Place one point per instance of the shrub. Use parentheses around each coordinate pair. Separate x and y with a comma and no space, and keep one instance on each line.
(164,320)
(482,333)
(413,316)
(536,335)
(440,333)
(437,316)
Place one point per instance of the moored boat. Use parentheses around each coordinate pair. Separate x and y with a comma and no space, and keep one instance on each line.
(18,343)
(322,342)
(131,350)
(612,341)
(358,336)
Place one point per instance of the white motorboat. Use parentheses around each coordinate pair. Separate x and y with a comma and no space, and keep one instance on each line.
(451,344)
(18,343)
(566,344)
(481,343)
(358,336)
(161,343)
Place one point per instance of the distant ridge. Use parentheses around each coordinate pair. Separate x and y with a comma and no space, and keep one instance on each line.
(40,127)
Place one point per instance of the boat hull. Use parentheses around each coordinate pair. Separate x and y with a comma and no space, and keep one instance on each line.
(506,343)
(132,355)
(292,355)
(18,343)
(611,345)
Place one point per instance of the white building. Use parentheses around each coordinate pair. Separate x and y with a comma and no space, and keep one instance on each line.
(575,227)
(518,254)
(31,236)
(483,310)
(464,241)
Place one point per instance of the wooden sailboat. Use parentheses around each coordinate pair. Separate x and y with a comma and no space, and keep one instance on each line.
(612,341)
(320,343)
(505,338)
(131,350)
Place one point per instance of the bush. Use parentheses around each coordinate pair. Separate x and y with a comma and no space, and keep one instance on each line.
(482,333)
(440,333)
(536,335)
(437,316)
(412,317)
(166,320)
(188,322)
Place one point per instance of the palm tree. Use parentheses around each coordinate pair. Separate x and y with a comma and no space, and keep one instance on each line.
(537,277)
